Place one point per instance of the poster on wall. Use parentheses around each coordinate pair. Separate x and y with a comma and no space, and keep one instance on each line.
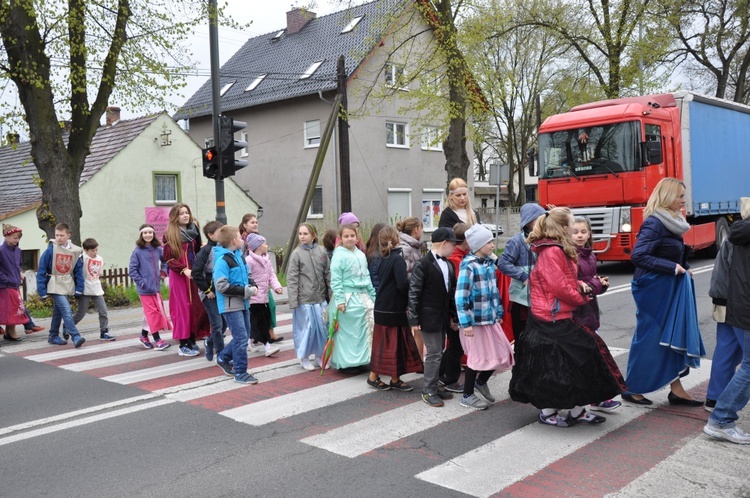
(158,217)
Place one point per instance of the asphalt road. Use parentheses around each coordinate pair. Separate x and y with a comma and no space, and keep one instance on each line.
(67,432)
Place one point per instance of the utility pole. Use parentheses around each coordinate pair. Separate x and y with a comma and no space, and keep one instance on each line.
(343,142)
(213,42)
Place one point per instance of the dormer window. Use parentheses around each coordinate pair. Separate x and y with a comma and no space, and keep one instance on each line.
(352,24)
(278,35)
(255,83)
(310,70)
(226,88)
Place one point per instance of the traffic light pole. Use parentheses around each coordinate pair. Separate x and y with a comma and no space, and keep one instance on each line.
(213,41)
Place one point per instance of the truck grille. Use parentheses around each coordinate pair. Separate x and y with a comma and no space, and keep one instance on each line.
(600,219)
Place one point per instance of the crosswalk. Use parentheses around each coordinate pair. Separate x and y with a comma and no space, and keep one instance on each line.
(509,455)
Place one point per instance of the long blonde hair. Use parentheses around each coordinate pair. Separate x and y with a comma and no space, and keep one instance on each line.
(665,194)
(172,236)
(454,185)
(554,225)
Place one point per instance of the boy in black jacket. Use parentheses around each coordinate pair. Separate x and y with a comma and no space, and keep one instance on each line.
(203,268)
(432,308)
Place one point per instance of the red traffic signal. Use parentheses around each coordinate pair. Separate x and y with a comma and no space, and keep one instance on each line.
(210,163)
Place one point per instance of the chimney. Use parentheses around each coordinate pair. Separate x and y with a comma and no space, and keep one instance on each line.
(296,19)
(12,138)
(113,115)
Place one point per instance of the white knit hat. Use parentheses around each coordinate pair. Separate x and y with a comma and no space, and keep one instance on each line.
(745,207)
(477,236)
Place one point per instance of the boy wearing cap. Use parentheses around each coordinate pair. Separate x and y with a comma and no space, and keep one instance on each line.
(432,309)
(265,278)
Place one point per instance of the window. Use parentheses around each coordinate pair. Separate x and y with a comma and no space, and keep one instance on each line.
(166,188)
(310,70)
(278,35)
(394,76)
(316,206)
(243,137)
(226,88)
(352,24)
(432,206)
(396,134)
(252,86)
(399,203)
(431,139)
(312,133)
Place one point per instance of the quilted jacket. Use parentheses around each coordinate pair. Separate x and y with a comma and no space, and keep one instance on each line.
(554,283)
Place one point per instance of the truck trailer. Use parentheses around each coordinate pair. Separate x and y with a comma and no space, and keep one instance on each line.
(604,159)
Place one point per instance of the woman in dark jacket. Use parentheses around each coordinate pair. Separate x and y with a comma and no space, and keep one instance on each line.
(394,351)
(667,340)
(459,206)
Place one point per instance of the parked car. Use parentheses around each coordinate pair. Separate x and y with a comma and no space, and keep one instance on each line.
(496,230)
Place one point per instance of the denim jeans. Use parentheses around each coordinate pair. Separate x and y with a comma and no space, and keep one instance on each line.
(434,342)
(30,324)
(216,339)
(239,324)
(737,393)
(727,355)
(61,312)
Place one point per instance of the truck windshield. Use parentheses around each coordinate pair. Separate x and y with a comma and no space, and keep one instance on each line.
(594,150)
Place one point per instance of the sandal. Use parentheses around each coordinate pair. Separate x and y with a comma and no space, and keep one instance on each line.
(400,385)
(586,417)
(378,384)
(555,419)
(10,338)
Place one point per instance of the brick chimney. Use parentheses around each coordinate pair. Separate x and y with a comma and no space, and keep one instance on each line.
(113,115)
(296,19)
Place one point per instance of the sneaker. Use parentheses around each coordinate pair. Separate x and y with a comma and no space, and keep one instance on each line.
(78,341)
(319,363)
(35,328)
(731,434)
(254,346)
(378,384)
(66,336)
(245,378)
(307,364)
(605,406)
(195,348)
(104,336)
(187,351)
(146,343)
(585,417)
(160,345)
(710,405)
(444,395)
(473,402)
(272,350)
(456,387)
(432,400)
(209,348)
(484,391)
(225,367)
(57,340)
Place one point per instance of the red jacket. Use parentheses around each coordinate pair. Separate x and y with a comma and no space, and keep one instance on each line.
(456,257)
(554,283)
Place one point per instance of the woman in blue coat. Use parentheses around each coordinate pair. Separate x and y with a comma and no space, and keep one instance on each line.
(667,340)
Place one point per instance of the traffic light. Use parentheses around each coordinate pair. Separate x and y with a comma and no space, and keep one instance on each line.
(228,146)
(210,162)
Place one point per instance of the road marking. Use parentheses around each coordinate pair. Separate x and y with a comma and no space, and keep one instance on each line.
(530,449)
(108,362)
(158,372)
(67,353)
(626,287)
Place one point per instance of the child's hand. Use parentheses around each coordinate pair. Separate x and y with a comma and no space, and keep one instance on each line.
(469,332)
(454,325)
(341,308)
(187,272)
(604,281)
(210,295)
(415,329)
(250,291)
(279,291)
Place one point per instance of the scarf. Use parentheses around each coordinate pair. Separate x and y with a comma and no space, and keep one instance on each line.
(309,246)
(675,224)
(189,233)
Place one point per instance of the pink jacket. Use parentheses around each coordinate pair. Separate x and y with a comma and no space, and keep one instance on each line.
(554,283)
(264,276)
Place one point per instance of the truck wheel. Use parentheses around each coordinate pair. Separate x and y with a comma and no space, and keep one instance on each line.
(722,232)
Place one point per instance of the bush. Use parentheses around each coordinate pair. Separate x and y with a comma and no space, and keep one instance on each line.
(42,308)
(115,296)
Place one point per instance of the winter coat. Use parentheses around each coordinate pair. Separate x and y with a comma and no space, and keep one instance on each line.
(203,268)
(263,275)
(477,297)
(588,314)
(146,268)
(230,276)
(657,249)
(448,218)
(373,263)
(719,289)
(738,300)
(308,276)
(431,305)
(411,250)
(60,271)
(10,266)
(392,296)
(517,259)
(349,274)
(554,283)
(92,268)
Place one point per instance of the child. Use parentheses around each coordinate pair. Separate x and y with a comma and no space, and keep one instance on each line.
(92,289)
(479,313)
(265,278)
(373,254)
(202,275)
(233,289)
(353,296)
(516,262)
(329,241)
(308,279)
(410,231)
(250,225)
(559,364)
(147,271)
(432,309)
(394,352)
(348,218)
(181,243)
(61,275)
(12,311)
(450,364)
(587,315)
